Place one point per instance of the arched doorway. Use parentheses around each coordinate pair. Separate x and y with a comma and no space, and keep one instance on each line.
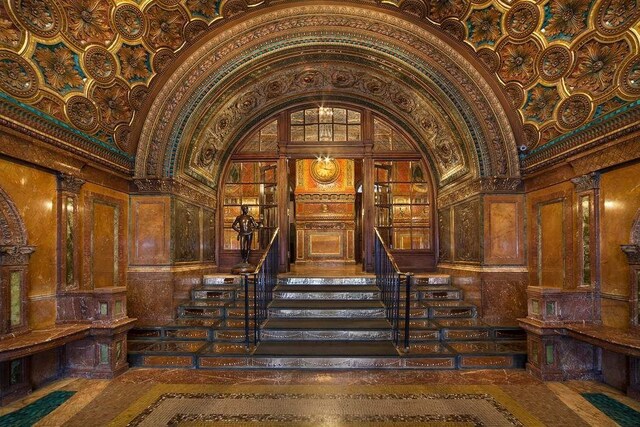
(327,175)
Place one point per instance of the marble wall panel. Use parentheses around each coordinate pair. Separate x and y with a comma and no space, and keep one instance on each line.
(504,229)
(550,223)
(34,194)
(467,230)
(551,249)
(504,298)
(615,312)
(186,231)
(45,366)
(151,230)
(620,201)
(42,312)
(444,234)
(150,296)
(615,370)
(104,246)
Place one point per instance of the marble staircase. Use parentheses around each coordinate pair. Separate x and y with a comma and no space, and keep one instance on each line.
(327,323)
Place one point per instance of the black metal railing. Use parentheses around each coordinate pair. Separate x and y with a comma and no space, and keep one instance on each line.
(390,281)
(264,278)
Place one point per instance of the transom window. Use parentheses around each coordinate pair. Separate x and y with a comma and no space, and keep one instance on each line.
(326,124)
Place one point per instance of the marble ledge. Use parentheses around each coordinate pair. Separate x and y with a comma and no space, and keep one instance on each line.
(483,268)
(112,327)
(623,341)
(540,290)
(41,340)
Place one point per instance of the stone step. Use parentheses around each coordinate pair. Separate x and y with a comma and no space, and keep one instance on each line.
(328,355)
(326,308)
(213,294)
(327,292)
(432,293)
(431,279)
(220,279)
(327,281)
(315,329)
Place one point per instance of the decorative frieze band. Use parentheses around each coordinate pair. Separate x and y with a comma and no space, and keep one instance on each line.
(324,198)
(170,186)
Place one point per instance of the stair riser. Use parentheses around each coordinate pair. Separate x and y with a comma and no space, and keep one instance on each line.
(283,295)
(209,313)
(326,335)
(440,295)
(213,295)
(329,281)
(330,363)
(450,312)
(320,313)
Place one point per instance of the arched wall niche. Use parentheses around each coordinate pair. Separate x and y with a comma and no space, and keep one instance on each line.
(14,258)
(174,116)
(250,124)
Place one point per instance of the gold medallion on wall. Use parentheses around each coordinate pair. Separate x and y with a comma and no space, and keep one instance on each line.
(325,171)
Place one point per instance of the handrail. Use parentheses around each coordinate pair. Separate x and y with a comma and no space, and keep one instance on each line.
(388,279)
(264,278)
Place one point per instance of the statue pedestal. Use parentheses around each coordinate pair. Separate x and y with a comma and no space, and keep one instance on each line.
(243,267)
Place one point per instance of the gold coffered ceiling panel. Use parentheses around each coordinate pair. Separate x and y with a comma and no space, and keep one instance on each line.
(91,63)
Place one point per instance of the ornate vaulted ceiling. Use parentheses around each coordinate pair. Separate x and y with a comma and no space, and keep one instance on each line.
(85,67)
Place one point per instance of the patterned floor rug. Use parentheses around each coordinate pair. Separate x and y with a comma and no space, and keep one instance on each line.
(282,405)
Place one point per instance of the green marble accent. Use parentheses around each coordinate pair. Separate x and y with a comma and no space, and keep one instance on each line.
(104,309)
(551,308)
(34,412)
(104,353)
(549,354)
(535,306)
(69,246)
(585,207)
(16,298)
(617,411)
(15,372)
(118,308)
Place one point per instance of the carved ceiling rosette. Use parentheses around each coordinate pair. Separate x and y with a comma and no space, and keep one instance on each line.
(17,76)
(574,111)
(517,61)
(522,19)
(100,64)
(129,21)
(614,17)
(596,65)
(41,17)
(88,21)
(11,36)
(554,62)
(82,113)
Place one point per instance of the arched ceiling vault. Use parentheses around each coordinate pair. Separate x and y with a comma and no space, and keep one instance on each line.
(437,91)
(82,74)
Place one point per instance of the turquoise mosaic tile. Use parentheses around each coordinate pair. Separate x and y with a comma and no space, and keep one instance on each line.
(34,412)
(618,412)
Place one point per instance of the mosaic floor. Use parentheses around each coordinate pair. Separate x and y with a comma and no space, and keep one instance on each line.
(149,397)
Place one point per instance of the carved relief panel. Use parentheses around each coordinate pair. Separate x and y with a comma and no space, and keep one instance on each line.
(186,232)
(467,231)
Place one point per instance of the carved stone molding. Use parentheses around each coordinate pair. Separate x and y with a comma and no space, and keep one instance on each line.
(70,183)
(312,198)
(12,229)
(632,252)
(15,255)
(172,187)
(500,185)
(179,97)
(587,182)
(458,193)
